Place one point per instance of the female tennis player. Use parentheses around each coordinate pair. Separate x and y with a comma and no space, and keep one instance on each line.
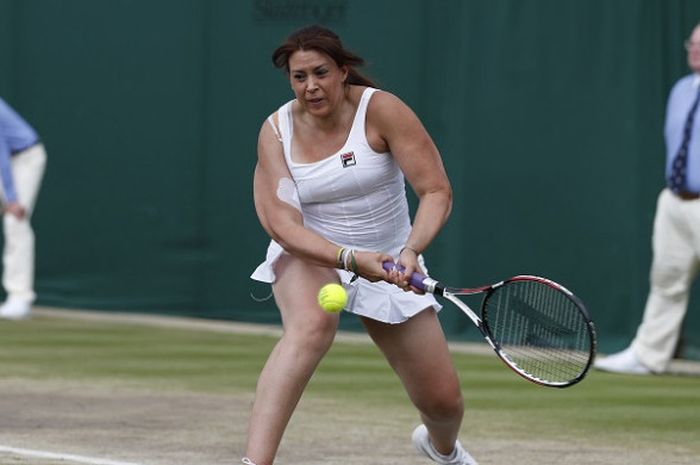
(329,190)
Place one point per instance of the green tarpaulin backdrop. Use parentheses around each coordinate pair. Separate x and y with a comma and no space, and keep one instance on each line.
(548,114)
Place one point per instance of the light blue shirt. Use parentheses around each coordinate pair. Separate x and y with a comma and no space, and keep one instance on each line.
(15,136)
(679,102)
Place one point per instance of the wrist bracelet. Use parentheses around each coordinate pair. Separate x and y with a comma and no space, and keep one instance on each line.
(346,259)
(409,248)
(353,261)
(339,257)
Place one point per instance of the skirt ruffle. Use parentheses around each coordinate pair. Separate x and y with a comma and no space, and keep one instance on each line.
(379,301)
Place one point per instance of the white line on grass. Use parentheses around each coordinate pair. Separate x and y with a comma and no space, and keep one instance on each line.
(63,457)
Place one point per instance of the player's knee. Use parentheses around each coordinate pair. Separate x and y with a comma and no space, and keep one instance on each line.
(315,335)
(446,405)
(320,339)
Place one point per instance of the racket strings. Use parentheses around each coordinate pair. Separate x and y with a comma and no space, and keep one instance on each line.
(541,331)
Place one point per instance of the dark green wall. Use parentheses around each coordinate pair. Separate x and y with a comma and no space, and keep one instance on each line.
(548,114)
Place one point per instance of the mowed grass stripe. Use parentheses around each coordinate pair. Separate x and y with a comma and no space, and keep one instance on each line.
(659,412)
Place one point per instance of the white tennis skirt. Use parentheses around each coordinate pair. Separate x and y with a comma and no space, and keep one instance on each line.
(379,301)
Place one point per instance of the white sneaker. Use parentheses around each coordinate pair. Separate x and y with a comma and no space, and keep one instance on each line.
(622,362)
(15,308)
(459,456)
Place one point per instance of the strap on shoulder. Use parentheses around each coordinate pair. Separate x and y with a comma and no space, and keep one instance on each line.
(271,120)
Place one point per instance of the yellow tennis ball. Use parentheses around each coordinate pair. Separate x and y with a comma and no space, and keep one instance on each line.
(332,297)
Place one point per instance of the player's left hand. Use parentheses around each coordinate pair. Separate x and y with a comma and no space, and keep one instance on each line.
(409,260)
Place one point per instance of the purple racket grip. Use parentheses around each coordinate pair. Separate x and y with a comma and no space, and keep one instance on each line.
(416,278)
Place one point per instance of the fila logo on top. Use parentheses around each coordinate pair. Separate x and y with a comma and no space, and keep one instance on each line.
(348,159)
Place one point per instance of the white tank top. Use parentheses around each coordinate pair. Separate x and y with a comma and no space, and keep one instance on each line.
(355,197)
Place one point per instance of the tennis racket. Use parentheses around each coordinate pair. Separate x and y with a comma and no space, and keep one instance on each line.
(537,327)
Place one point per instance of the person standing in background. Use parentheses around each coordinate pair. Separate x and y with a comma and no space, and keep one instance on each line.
(676,236)
(22,163)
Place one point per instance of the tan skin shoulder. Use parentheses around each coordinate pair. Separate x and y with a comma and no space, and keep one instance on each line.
(393,127)
(379,112)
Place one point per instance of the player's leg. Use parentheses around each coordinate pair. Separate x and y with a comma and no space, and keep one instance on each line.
(418,353)
(308,334)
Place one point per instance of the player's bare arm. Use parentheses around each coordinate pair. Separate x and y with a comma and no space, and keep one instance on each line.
(395,125)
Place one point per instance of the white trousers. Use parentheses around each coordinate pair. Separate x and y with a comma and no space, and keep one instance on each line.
(676,249)
(18,254)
